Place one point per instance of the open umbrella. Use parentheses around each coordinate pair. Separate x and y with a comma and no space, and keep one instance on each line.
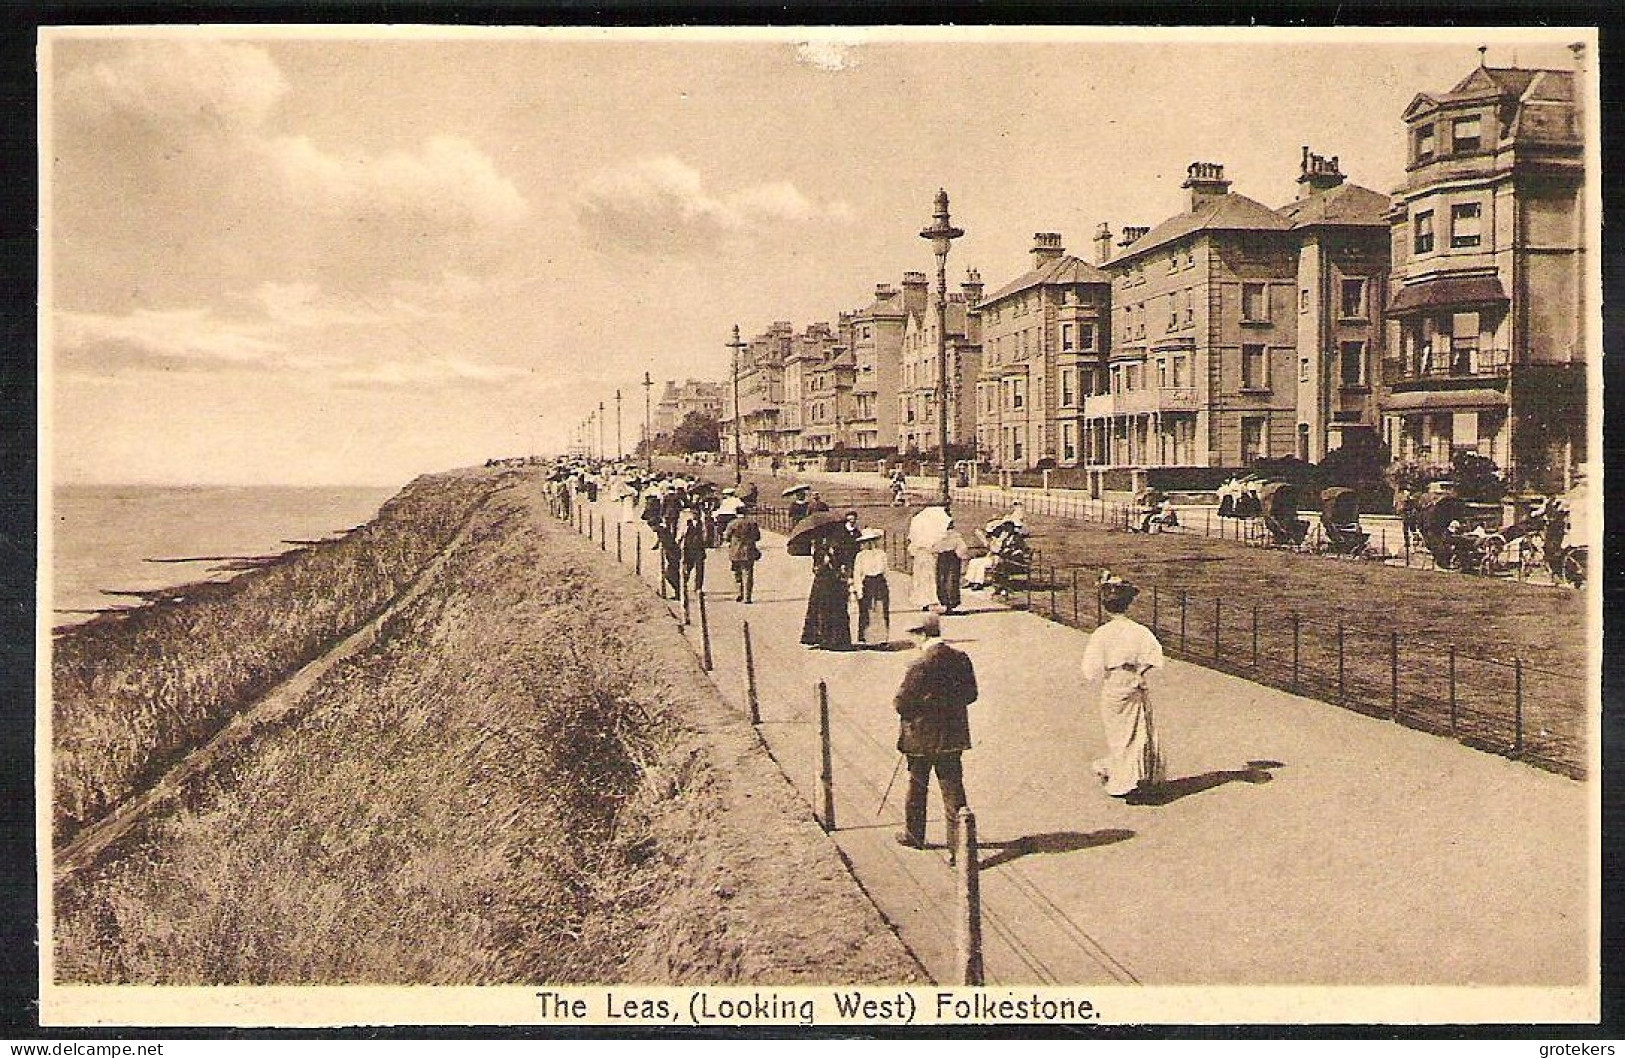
(809,529)
(793,489)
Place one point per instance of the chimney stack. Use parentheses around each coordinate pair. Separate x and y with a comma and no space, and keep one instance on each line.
(972,286)
(1132,234)
(916,292)
(1103,243)
(1206,182)
(1046,248)
(1317,174)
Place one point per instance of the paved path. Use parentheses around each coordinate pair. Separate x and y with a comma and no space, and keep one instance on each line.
(1300,843)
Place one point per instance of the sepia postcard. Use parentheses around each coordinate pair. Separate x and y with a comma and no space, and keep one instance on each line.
(819,527)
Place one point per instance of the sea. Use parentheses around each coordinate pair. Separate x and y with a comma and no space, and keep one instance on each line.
(109,538)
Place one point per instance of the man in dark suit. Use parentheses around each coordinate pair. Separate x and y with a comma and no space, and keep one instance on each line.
(743,537)
(934,728)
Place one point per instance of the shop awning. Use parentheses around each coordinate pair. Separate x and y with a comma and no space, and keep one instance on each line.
(1445,400)
(1446,292)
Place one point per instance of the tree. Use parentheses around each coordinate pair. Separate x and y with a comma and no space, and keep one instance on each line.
(697,432)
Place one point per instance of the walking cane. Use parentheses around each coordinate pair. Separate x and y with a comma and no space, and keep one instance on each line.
(889,784)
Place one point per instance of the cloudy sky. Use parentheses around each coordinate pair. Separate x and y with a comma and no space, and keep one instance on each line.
(353,258)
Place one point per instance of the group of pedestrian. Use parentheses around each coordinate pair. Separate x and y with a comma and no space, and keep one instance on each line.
(848,566)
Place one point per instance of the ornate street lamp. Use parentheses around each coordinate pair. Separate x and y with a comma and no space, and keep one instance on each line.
(941,235)
(601,452)
(618,452)
(738,348)
(648,435)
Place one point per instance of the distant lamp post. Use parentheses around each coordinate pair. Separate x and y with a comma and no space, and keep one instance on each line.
(618,452)
(738,347)
(941,235)
(648,436)
(601,452)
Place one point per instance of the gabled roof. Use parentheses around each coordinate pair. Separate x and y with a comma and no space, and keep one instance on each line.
(1484,82)
(1065,269)
(1229,212)
(1346,204)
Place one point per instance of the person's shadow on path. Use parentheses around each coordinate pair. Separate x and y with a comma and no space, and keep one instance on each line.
(1256,772)
(1055,841)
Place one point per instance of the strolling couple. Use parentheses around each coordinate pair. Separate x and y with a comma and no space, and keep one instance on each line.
(940,684)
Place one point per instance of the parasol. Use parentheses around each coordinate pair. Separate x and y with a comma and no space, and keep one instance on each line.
(793,489)
(809,529)
(927,527)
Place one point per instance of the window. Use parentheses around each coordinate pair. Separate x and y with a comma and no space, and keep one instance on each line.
(1252,440)
(866,332)
(1176,371)
(1066,337)
(1255,306)
(1423,225)
(1303,369)
(1351,365)
(1086,337)
(1463,340)
(1117,378)
(1465,134)
(1018,393)
(1254,373)
(1190,307)
(1352,303)
(1173,312)
(1162,373)
(1139,329)
(1068,386)
(1303,300)
(1069,442)
(1464,227)
(1173,262)
(1190,257)
(1424,143)
(1131,377)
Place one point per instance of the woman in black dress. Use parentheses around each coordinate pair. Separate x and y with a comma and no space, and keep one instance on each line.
(828,625)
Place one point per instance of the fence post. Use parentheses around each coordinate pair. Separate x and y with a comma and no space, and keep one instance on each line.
(684,593)
(826,778)
(1393,675)
(1207,522)
(1050,580)
(603,534)
(1452,690)
(751,701)
(1255,635)
(1296,622)
(705,637)
(637,561)
(1517,707)
(619,555)
(1216,618)
(1075,597)
(1184,599)
(970,900)
(1339,660)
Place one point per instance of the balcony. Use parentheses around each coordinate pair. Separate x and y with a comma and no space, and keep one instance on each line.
(1465,364)
(1140,401)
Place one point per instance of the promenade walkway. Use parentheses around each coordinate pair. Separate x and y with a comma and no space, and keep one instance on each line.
(1298,843)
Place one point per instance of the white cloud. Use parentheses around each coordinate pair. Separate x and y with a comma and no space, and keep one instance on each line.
(213,85)
(303,306)
(827,54)
(662,203)
(193,337)
(435,372)
(448,180)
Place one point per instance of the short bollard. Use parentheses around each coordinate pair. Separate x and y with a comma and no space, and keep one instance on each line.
(705,637)
(826,777)
(638,551)
(970,900)
(619,555)
(751,701)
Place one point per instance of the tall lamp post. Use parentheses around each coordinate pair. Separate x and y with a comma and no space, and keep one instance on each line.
(941,235)
(618,452)
(738,347)
(648,437)
(601,452)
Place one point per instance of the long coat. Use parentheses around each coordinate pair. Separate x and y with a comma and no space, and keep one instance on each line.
(743,536)
(931,703)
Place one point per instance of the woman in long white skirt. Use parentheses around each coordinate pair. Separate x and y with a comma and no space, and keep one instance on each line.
(1118,656)
(925,530)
